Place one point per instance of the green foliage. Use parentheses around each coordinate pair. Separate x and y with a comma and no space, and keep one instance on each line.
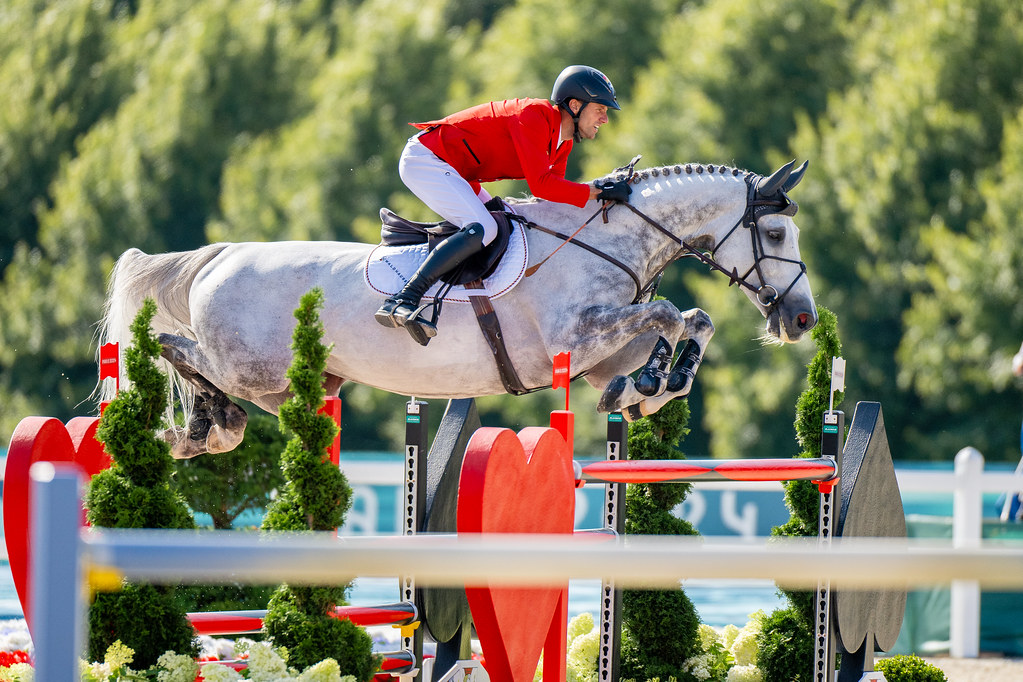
(660,628)
(316,496)
(135,493)
(909,669)
(228,484)
(785,647)
(659,634)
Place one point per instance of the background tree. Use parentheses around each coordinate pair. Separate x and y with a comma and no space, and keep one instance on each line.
(316,497)
(135,492)
(228,484)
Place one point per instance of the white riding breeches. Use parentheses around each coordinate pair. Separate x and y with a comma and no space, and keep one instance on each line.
(443,190)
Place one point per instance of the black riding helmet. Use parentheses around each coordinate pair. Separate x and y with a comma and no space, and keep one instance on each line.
(585,84)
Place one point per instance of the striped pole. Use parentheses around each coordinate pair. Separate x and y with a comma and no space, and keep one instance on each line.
(662,471)
(251,621)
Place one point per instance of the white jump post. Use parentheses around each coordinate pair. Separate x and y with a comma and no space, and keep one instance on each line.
(967,527)
(58,613)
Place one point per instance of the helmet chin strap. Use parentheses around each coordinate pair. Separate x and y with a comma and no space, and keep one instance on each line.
(575,120)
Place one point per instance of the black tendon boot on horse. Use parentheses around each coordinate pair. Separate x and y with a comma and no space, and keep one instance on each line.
(403,308)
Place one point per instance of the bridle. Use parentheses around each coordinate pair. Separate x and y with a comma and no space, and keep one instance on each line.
(756,207)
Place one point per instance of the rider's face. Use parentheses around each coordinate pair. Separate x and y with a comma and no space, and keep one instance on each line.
(593,116)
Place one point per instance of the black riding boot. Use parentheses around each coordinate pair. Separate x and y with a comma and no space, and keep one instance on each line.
(403,308)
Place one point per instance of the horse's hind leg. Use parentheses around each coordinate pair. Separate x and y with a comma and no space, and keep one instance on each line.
(216,424)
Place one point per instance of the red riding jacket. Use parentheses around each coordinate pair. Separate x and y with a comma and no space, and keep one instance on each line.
(510,140)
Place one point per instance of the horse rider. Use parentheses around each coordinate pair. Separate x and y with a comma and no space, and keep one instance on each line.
(516,139)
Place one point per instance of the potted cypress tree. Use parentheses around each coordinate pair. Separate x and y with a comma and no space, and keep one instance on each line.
(135,492)
(315,497)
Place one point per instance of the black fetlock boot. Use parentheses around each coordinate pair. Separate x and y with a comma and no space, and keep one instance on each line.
(650,380)
(403,308)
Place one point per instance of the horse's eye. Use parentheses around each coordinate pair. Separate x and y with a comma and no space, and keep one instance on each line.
(776,235)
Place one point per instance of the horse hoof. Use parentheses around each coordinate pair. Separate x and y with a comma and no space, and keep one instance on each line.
(633,413)
(181,445)
(610,399)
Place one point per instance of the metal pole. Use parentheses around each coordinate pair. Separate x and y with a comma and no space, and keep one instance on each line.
(56,570)
(608,659)
(414,505)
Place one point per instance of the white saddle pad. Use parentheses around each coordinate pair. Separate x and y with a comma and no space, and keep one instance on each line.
(388,268)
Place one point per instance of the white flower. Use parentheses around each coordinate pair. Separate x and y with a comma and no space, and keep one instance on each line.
(756,620)
(214,672)
(744,648)
(118,655)
(22,672)
(14,636)
(744,673)
(728,635)
(265,664)
(708,636)
(326,670)
(699,666)
(580,625)
(98,671)
(582,657)
(177,668)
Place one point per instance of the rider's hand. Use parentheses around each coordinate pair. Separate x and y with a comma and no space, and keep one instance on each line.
(614,191)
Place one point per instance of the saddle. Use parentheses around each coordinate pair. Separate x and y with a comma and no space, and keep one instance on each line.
(398,231)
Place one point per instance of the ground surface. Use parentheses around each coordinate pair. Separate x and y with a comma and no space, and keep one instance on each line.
(980,669)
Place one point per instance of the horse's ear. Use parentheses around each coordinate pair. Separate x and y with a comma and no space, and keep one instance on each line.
(769,186)
(794,177)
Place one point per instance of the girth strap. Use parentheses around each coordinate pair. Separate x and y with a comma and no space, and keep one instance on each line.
(491,328)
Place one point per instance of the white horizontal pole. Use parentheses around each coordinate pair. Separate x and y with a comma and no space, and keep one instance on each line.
(521,560)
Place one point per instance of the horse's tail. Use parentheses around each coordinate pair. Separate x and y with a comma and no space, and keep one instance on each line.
(167,279)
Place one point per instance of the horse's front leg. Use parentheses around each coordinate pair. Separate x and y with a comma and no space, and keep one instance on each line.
(663,376)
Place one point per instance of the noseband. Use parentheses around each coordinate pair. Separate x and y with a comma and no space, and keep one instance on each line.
(756,208)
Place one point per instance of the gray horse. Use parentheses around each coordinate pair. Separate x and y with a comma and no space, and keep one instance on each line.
(225,310)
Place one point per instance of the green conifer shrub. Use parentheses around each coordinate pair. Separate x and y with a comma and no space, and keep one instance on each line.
(785,646)
(135,493)
(660,628)
(315,496)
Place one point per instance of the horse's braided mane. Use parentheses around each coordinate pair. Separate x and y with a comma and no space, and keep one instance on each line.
(646,173)
(678,169)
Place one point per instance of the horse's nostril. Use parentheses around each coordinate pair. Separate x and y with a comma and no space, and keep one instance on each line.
(803,319)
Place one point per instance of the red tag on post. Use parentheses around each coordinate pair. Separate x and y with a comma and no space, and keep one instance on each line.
(562,374)
(110,364)
(561,370)
(108,360)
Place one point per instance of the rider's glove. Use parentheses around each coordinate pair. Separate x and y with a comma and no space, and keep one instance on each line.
(614,191)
